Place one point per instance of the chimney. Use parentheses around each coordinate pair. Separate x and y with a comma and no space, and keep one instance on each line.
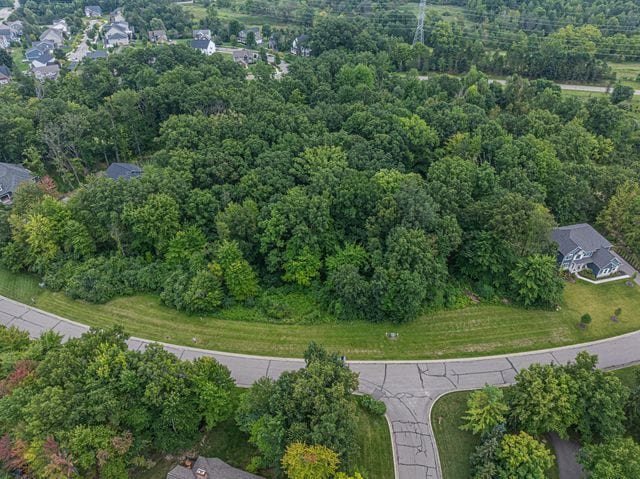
(188,463)
(201,474)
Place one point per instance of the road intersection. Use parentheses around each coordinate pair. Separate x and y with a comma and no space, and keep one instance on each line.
(408,388)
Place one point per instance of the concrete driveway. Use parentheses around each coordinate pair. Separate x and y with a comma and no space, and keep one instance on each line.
(408,388)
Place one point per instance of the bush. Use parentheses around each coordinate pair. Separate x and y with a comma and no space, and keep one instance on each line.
(101,279)
(586,319)
(372,405)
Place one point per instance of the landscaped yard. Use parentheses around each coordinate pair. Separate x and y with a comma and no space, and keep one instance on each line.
(230,444)
(456,446)
(473,331)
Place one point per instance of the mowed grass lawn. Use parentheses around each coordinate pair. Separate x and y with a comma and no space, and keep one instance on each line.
(472,331)
(455,446)
(227,442)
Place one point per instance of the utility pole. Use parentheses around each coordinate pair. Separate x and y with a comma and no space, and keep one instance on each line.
(419,36)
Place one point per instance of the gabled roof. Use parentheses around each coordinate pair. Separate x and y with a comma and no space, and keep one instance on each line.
(94,9)
(215,468)
(97,54)
(49,71)
(602,258)
(123,170)
(49,32)
(45,58)
(579,236)
(11,176)
(118,35)
(200,44)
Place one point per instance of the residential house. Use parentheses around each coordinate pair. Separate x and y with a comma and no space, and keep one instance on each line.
(242,35)
(16,28)
(5,41)
(245,57)
(93,11)
(116,34)
(96,55)
(43,60)
(581,247)
(5,75)
(38,49)
(300,46)
(49,72)
(61,25)
(205,46)
(202,34)
(117,16)
(123,170)
(11,177)
(157,36)
(53,36)
(208,468)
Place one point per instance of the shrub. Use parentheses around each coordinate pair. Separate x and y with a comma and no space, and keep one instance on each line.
(372,405)
(618,312)
(586,319)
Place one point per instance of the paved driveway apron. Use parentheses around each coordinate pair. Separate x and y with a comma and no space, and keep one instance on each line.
(408,388)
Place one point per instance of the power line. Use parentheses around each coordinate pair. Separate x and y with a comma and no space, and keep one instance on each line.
(419,35)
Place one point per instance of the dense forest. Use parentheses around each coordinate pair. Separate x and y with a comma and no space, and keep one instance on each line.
(383,195)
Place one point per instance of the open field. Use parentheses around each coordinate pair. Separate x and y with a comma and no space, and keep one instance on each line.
(627,73)
(199,12)
(477,330)
(456,446)
(231,445)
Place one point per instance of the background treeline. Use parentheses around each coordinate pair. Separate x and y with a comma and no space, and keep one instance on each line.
(550,40)
(384,195)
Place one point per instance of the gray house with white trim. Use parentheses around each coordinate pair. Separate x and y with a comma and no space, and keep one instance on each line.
(581,246)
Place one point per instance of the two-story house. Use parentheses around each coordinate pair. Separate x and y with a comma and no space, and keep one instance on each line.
(581,246)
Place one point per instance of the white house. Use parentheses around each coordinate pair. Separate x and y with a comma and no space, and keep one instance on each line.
(61,25)
(205,46)
(300,46)
(581,247)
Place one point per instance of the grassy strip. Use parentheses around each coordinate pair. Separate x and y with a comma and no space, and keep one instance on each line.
(473,331)
(455,446)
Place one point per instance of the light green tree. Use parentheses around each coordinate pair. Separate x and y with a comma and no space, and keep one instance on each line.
(486,409)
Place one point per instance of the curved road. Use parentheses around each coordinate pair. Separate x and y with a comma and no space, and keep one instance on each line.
(409,388)
(563,86)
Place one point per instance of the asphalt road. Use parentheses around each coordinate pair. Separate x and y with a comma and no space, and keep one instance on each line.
(409,388)
(563,86)
(82,49)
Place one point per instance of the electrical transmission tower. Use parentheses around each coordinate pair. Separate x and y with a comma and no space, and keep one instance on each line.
(419,36)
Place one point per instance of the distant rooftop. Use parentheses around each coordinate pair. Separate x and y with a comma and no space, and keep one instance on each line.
(123,170)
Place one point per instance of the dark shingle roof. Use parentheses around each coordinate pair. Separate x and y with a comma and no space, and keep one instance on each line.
(580,235)
(216,469)
(97,54)
(200,44)
(602,258)
(123,170)
(4,70)
(11,176)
